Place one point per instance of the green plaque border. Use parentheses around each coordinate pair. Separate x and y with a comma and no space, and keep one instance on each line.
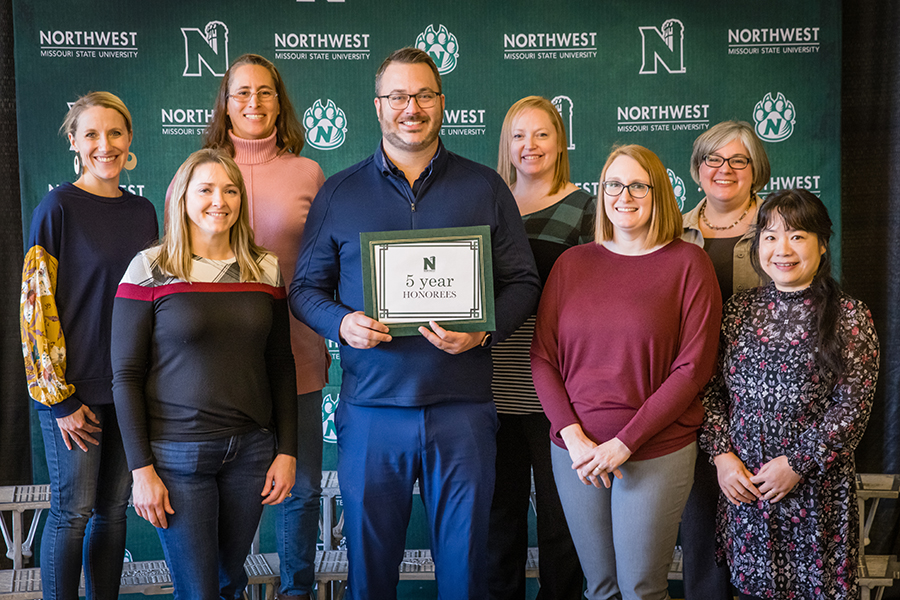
(370,240)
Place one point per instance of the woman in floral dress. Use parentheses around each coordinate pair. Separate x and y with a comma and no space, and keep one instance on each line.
(790,402)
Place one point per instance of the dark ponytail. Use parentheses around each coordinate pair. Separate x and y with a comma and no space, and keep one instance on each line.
(804,211)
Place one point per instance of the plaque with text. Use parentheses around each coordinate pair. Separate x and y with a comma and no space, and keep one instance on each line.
(415,276)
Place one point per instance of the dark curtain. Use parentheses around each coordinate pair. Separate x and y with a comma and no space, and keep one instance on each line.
(15,439)
(870,173)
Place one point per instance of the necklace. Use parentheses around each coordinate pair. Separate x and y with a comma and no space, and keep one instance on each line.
(716,227)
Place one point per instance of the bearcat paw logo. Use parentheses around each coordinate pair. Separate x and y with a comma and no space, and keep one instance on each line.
(441,46)
(677,187)
(326,125)
(774,118)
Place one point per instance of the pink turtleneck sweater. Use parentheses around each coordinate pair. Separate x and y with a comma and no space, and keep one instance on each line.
(281,190)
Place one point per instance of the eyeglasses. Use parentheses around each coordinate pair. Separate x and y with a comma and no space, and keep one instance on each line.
(637,189)
(735,162)
(243,96)
(401,101)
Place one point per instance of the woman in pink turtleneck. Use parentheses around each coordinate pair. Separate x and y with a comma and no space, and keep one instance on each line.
(255,121)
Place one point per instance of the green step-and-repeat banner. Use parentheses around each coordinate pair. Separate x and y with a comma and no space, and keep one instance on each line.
(656,73)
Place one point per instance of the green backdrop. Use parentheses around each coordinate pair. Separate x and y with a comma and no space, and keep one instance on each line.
(655,73)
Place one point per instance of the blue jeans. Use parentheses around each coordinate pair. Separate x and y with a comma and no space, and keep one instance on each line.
(297,518)
(625,534)
(382,450)
(214,488)
(86,523)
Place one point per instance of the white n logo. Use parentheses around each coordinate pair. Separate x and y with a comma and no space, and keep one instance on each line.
(566,108)
(665,47)
(208,47)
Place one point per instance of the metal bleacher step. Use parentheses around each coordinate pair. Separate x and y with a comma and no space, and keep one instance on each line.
(331,565)
(152,577)
(877,485)
(149,577)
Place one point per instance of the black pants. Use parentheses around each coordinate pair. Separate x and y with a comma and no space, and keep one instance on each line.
(523,443)
(703,579)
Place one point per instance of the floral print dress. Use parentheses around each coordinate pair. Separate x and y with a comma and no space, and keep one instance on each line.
(768,399)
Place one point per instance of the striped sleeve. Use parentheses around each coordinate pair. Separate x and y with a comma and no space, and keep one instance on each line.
(512,385)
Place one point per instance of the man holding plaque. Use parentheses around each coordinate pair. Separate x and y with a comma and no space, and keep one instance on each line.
(413,407)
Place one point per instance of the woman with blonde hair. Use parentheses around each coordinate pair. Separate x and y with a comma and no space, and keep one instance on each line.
(254,122)
(625,340)
(204,380)
(83,235)
(557,215)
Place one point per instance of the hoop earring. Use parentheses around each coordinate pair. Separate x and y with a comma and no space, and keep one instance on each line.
(131,163)
(76,163)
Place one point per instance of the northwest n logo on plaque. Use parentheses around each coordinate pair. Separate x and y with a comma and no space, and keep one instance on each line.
(774,118)
(663,46)
(326,125)
(443,275)
(207,48)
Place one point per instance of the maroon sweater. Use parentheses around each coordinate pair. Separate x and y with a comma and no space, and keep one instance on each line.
(624,344)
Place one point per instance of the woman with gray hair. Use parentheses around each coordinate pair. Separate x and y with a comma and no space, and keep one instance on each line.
(730,164)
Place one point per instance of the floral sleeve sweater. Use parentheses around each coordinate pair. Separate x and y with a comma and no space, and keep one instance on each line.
(79,247)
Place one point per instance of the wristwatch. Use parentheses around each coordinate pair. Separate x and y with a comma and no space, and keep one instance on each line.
(486,340)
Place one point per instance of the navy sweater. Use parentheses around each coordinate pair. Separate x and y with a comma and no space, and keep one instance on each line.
(83,243)
(454,192)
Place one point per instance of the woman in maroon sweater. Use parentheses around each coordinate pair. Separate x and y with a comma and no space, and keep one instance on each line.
(625,340)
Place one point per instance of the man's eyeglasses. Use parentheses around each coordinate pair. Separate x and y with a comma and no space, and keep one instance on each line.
(401,101)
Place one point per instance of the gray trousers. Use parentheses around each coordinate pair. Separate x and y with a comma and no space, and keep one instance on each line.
(625,535)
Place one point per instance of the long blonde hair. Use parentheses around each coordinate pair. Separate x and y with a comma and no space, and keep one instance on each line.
(175,254)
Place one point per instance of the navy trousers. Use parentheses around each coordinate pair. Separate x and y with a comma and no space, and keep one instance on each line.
(450,449)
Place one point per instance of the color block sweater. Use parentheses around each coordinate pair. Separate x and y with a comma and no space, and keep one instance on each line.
(201,360)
